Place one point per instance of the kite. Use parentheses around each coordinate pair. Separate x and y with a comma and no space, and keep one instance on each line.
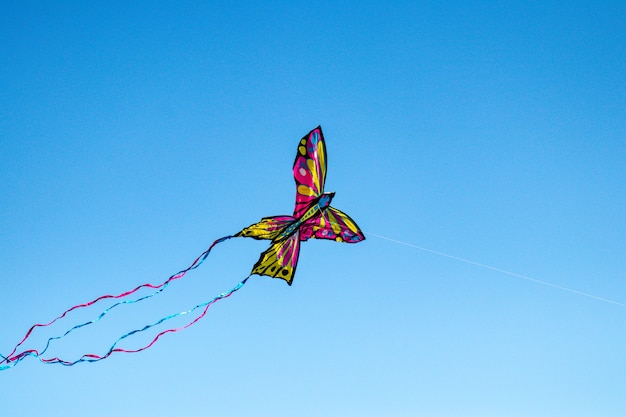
(313,218)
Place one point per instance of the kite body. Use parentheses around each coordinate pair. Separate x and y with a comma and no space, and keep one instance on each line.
(313,217)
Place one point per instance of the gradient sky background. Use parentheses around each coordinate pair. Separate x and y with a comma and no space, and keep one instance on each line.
(133,135)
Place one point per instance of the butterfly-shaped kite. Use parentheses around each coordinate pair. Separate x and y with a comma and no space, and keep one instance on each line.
(313,217)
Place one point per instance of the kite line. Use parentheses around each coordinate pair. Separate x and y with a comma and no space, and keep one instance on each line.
(503,271)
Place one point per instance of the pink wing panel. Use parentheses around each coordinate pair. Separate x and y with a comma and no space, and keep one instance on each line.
(309,170)
(334,225)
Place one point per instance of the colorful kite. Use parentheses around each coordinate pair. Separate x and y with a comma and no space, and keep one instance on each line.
(313,217)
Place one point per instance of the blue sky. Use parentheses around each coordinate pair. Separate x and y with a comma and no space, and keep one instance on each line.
(133,136)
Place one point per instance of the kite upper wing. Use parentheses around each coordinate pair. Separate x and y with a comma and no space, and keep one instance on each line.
(309,170)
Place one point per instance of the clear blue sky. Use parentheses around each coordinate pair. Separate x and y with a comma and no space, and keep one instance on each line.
(133,135)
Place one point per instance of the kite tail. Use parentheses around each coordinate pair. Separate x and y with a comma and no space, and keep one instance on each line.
(11,357)
(90,357)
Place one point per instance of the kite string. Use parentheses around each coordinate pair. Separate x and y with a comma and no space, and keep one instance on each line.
(160,288)
(503,271)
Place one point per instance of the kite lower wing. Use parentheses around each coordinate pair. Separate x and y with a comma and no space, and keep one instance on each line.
(280,260)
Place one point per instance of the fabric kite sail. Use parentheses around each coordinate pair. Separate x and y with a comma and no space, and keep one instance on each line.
(313,217)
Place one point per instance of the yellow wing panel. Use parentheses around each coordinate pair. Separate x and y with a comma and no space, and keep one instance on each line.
(280,260)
